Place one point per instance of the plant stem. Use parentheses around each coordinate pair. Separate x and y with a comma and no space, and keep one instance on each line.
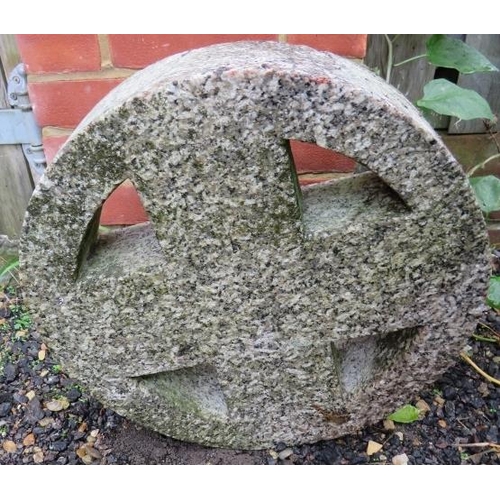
(492,135)
(481,165)
(489,378)
(389,59)
(475,445)
(409,60)
(484,325)
(488,125)
(483,339)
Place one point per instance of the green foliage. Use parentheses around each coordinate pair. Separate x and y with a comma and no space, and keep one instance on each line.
(446,98)
(442,96)
(22,320)
(452,53)
(405,415)
(487,190)
(8,267)
(104,230)
(493,298)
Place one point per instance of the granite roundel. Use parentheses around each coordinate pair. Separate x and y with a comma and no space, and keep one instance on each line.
(249,311)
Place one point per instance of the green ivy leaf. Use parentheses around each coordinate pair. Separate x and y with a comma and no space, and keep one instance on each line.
(449,99)
(452,53)
(405,415)
(493,298)
(487,190)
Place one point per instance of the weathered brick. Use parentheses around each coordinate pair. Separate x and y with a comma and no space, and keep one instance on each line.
(123,207)
(343,45)
(309,158)
(137,51)
(59,53)
(307,180)
(52,145)
(65,103)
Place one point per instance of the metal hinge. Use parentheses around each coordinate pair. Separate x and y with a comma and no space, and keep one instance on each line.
(18,125)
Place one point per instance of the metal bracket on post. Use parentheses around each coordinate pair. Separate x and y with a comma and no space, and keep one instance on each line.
(18,125)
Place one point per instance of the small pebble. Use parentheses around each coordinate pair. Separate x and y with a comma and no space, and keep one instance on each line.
(73,394)
(450,392)
(400,459)
(59,445)
(5,409)
(10,372)
(422,406)
(280,447)
(20,398)
(373,447)
(284,454)
(439,400)
(389,425)
(483,389)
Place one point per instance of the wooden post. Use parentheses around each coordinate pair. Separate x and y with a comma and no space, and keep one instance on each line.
(16,184)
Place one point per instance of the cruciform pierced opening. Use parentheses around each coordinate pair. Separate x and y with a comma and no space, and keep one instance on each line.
(190,389)
(357,362)
(105,236)
(345,192)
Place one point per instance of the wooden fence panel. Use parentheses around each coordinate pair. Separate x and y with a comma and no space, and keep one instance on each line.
(15,180)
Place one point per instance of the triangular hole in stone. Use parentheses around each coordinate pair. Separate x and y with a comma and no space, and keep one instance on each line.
(359,361)
(334,191)
(191,390)
(315,164)
(120,226)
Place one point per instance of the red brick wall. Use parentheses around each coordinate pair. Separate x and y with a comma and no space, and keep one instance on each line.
(69,74)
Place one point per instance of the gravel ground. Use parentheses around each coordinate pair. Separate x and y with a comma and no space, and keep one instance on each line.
(48,418)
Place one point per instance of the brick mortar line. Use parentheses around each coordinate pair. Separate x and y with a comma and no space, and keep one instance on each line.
(105,51)
(324,176)
(51,131)
(105,74)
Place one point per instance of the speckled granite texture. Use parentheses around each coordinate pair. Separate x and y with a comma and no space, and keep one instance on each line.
(247,312)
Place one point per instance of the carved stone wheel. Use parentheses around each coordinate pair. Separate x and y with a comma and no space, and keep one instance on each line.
(249,312)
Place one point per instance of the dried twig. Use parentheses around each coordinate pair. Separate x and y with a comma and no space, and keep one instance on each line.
(495,446)
(491,379)
(494,332)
